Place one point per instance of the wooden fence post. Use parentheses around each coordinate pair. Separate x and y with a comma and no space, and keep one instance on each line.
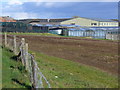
(26,56)
(34,74)
(14,46)
(5,40)
(22,50)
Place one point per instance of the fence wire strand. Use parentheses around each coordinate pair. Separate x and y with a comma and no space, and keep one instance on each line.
(35,77)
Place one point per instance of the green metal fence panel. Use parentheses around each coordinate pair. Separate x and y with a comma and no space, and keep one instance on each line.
(21,27)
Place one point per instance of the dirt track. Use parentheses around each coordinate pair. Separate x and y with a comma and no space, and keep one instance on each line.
(102,54)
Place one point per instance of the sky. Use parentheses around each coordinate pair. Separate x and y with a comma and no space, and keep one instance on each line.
(24,9)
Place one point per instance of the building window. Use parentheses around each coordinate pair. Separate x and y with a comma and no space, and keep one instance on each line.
(93,23)
(101,23)
(72,23)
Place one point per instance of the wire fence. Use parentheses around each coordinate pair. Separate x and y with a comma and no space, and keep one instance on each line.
(20,48)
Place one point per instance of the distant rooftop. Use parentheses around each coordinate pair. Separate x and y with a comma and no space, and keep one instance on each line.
(58,20)
(44,21)
(6,19)
(100,19)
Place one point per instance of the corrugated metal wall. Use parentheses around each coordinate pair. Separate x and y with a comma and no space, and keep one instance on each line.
(90,33)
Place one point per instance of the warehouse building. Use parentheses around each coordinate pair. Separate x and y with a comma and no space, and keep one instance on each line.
(44,21)
(81,21)
(91,22)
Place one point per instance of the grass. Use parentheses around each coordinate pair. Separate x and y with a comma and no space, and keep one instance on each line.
(60,73)
(0,68)
(41,34)
(13,73)
(63,73)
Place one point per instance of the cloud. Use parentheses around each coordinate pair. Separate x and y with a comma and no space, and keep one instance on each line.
(21,15)
(29,15)
(15,2)
(72,1)
(39,3)
(49,4)
(45,4)
(53,4)
(62,1)
(59,10)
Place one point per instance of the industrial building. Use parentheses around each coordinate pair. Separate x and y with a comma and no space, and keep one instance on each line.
(91,22)
(76,26)
(44,21)
(81,21)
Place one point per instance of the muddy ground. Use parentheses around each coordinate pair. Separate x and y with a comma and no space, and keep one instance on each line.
(102,54)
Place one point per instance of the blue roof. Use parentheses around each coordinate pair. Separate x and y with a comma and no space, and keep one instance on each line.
(94,29)
(72,29)
(105,27)
(70,25)
(83,29)
(101,20)
(37,25)
(50,25)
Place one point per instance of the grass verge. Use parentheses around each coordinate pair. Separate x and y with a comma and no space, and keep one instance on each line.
(13,73)
(0,68)
(41,34)
(63,73)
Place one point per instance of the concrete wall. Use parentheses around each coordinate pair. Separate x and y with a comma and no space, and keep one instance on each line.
(113,36)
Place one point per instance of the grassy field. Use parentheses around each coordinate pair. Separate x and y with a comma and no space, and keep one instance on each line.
(60,73)
(0,68)
(13,73)
(63,73)
(41,34)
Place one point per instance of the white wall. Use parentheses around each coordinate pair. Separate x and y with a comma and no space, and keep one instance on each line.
(111,24)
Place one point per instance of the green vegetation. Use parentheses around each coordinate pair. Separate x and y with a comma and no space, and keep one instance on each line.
(63,73)
(0,68)
(13,73)
(40,34)
(59,72)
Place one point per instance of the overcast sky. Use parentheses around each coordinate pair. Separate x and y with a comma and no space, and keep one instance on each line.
(20,9)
